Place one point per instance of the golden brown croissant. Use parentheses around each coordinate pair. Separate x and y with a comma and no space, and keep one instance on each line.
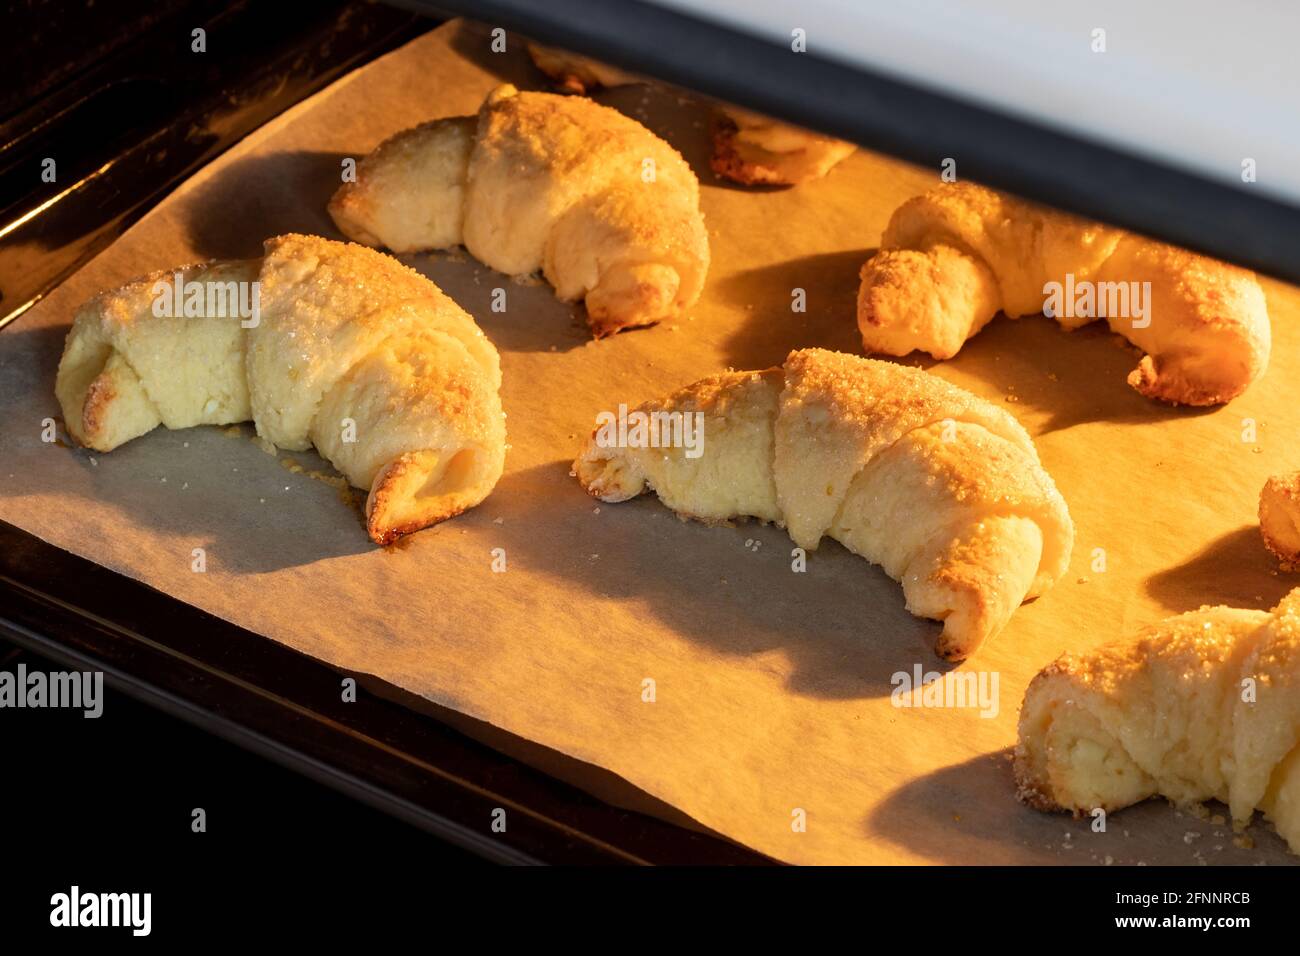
(941,488)
(954,257)
(748,148)
(608,211)
(343,348)
(1203,705)
(1279,516)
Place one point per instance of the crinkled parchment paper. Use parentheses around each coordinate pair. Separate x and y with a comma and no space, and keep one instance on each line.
(771,688)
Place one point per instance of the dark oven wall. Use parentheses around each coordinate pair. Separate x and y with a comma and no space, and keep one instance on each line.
(117,96)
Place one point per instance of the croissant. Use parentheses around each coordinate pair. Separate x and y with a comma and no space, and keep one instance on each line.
(753,149)
(748,148)
(954,257)
(1279,516)
(608,211)
(1202,705)
(942,489)
(343,348)
(575,73)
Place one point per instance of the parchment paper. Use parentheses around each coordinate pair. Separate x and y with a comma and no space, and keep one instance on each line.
(772,688)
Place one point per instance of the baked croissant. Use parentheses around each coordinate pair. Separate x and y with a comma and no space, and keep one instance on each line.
(608,211)
(1279,516)
(754,149)
(344,349)
(955,256)
(1203,705)
(941,488)
(748,148)
(575,73)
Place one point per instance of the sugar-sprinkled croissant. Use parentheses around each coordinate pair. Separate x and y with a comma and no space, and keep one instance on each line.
(607,210)
(347,350)
(1199,706)
(941,488)
(954,257)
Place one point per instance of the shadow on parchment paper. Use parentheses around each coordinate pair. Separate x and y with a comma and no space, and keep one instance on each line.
(473,41)
(771,329)
(286,190)
(962,814)
(1071,377)
(1235,570)
(841,623)
(289,540)
(968,814)
(534,320)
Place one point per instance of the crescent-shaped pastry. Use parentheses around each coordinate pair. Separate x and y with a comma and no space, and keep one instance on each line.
(1205,705)
(330,345)
(607,210)
(753,149)
(942,489)
(954,257)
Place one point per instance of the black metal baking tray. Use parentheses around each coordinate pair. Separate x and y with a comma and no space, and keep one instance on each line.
(131,113)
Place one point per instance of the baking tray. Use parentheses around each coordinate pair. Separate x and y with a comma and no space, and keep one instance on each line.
(792,693)
(219,677)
